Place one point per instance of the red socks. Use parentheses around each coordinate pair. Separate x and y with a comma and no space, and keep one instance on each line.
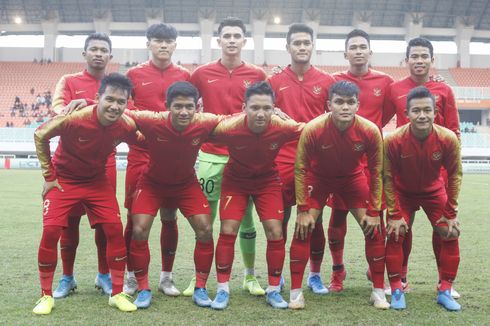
(449,260)
(69,243)
(203,259)
(116,254)
(375,256)
(101,243)
(298,257)
(47,257)
(275,260)
(337,229)
(225,252)
(140,260)
(317,247)
(407,248)
(128,234)
(169,237)
(394,260)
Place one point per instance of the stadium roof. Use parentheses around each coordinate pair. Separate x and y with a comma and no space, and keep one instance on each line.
(379,13)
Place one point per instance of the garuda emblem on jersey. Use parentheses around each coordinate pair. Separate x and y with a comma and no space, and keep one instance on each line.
(195,141)
(358,147)
(274,146)
(317,90)
(247,83)
(436,156)
(377,92)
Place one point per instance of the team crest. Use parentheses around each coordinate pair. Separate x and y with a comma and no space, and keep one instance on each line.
(317,90)
(436,156)
(247,83)
(358,147)
(195,141)
(377,92)
(274,146)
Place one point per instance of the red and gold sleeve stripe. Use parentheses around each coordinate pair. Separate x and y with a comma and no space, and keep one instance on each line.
(42,135)
(392,203)
(454,168)
(60,96)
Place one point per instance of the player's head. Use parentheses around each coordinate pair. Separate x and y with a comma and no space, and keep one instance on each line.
(259,106)
(161,41)
(300,42)
(97,51)
(112,98)
(358,48)
(182,99)
(231,36)
(421,109)
(419,56)
(343,101)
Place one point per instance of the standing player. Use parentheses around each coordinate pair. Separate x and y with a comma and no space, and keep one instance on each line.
(302,93)
(83,86)
(330,160)
(419,58)
(372,91)
(253,141)
(222,85)
(151,81)
(173,140)
(77,175)
(414,156)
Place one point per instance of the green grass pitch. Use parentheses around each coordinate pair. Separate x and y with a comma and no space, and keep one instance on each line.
(20,231)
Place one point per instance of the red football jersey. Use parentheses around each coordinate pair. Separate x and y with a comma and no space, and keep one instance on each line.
(223,91)
(303,100)
(413,168)
(172,153)
(252,155)
(447,115)
(84,144)
(80,85)
(326,153)
(372,91)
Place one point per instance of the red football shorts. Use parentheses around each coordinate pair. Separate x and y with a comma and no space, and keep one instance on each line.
(97,197)
(267,199)
(149,197)
(286,174)
(352,192)
(432,205)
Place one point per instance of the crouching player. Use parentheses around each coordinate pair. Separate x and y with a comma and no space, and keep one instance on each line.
(329,160)
(253,139)
(413,157)
(76,175)
(173,140)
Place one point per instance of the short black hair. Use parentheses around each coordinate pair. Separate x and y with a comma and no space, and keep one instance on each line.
(116,80)
(420,41)
(420,92)
(181,88)
(161,31)
(298,28)
(259,88)
(97,36)
(232,21)
(355,33)
(343,88)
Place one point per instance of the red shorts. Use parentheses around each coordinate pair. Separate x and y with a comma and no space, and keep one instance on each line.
(352,192)
(97,197)
(134,171)
(110,173)
(286,174)
(432,205)
(267,200)
(150,197)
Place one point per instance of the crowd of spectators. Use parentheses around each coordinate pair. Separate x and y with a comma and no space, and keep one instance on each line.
(39,110)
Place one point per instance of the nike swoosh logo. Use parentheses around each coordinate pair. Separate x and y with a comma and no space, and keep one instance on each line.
(205,205)
(82,140)
(119,258)
(240,147)
(210,81)
(393,275)
(45,265)
(79,92)
(280,211)
(406,155)
(327,146)
(221,267)
(402,96)
(162,139)
(378,258)
(146,83)
(138,271)
(283,88)
(294,260)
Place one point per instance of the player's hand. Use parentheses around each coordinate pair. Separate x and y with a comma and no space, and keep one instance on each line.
(280,113)
(75,105)
(394,226)
(369,224)
(305,223)
(451,224)
(48,185)
(437,78)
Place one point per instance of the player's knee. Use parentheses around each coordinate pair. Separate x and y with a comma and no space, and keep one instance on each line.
(204,233)
(274,233)
(140,231)
(444,233)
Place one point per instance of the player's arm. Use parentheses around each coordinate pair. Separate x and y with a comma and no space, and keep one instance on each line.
(291,128)
(62,95)
(389,108)
(394,216)
(452,163)
(451,116)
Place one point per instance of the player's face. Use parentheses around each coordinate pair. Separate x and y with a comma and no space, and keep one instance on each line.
(421,114)
(182,109)
(161,49)
(259,109)
(111,106)
(97,54)
(419,61)
(231,40)
(343,108)
(300,47)
(358,51)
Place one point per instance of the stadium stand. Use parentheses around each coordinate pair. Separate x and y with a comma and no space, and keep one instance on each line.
(471,77)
